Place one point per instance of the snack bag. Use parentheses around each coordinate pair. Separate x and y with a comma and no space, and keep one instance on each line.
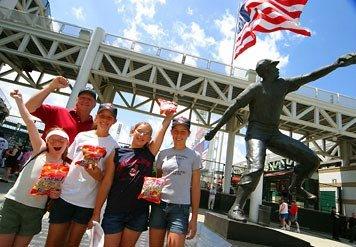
(51,178)
(166,105)
(92,154)
(151,189)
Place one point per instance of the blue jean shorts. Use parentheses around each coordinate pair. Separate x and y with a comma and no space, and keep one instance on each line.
(170,216)
(116,222)
(63,212)
(284,216)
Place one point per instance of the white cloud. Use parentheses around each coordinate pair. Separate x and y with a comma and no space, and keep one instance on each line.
(190,11)
(78,12)
(132,33)
(195,35)
(154,30)
(266,46)
(189,39)
(145,8)
(137,14)
(121,9)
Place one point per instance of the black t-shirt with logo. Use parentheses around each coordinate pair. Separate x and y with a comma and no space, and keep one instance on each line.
(131,166)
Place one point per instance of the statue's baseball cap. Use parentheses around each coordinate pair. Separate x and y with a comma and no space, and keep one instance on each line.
(182,121)
(108,106)
(264,63)
(89,91)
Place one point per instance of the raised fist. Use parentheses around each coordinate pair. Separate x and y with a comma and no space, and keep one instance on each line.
(59,82)
(16,95)
(346,60)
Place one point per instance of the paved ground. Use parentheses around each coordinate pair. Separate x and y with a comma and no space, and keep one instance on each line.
(204,238)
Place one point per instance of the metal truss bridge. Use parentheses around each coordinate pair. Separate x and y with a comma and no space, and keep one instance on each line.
(132,74)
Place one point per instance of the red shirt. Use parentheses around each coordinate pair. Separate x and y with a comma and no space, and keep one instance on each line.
(55,116)
(293,209)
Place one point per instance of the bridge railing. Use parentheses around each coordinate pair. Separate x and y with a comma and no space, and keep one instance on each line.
(175,56)
(42,22)
(162,53)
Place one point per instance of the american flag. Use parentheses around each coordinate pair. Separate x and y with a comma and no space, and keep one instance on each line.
(267,16)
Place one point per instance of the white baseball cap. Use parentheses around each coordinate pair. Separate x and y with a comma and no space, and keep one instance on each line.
(57,132)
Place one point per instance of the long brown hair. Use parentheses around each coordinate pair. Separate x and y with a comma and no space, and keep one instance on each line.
(133,128)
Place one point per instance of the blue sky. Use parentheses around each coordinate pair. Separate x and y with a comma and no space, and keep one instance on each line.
(206,28)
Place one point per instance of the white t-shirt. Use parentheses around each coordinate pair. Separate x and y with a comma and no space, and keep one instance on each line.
(179,166)
(283,208)
(79,188)
(20,192)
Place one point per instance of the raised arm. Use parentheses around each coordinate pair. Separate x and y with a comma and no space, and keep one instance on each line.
(36,100)
(35,137)
(156,142)
(241,101)
(343,61)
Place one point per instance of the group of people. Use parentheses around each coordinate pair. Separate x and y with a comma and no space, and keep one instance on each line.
(288,215)
(110,184)
(12,158)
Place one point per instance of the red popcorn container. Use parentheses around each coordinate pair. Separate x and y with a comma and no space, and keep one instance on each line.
(166,105)
(51,178)
(91,155)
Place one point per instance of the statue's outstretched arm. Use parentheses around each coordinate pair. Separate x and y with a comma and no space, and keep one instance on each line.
(241,101)
(343,61)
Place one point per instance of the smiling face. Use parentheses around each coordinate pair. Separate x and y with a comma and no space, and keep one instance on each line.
(180,134)
(141,135)
(57,144)
(104,120)
(85,103)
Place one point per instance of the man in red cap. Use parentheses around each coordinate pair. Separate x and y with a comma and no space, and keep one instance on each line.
(265,100)
(72,121)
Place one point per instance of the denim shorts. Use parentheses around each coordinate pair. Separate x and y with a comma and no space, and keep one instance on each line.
(284,216)
(17,218)
(170,216)
(116,222)
(63,212)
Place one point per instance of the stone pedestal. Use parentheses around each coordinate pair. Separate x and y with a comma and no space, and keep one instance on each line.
(250,232)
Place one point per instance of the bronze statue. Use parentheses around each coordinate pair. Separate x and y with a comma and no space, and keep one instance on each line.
(265,100)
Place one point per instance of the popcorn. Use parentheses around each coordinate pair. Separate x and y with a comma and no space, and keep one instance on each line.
(152,189)
(92,154)
(167,106)
(51,178)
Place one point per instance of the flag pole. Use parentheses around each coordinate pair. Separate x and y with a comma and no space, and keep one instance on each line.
(234,40)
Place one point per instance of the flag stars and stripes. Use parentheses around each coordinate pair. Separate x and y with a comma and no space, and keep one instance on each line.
(267,16)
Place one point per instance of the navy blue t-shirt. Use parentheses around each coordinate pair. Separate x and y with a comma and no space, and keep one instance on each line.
(131,166)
